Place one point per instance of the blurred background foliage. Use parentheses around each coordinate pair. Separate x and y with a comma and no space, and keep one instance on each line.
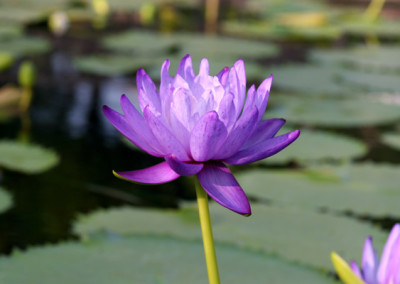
(336,67)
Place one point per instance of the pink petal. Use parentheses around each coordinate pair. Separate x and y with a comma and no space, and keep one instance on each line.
(262,96)
(263,149)
(165,137)
(159,173)
(138,124)
(370,262)
(148,95)
(239,134)
(207,137)
(265,129)
(387,255)
(126,129)
(221,185)
(182,168)
(185,68)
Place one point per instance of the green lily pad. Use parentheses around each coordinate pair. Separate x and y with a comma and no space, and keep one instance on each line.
(382,27)
(370,81)
(378,58)
(363,189)
(6,60)
(26,158)
(24,45)
(329,112)
(148,260)
(331,147)
(291,233)
(5,200)
(392,139)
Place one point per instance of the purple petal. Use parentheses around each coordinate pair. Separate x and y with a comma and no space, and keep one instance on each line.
(388,251)
(354,267)
(226,110)
(263,149)
(234,88)
(369,262)
(204,69)
(183,169)
(148,95)
(262,96)
(138,124)
(223,75)
(165,137)
(239,134)
(221,185)
(207,137)
(241,74)
(250,99)
(185,68)
(123,126)
(159,173)
(265,129)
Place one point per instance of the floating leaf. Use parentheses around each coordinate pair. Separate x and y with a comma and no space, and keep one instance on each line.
(329,112)
(24,45)
(392,139)
(5,200)
(363,189)
(366,57)
(26,158)
(373,81)
(292,233)
(147,260)
(384,28)
(6,60)
(329,147)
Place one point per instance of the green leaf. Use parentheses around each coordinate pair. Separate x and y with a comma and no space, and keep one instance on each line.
(24,45)
(366,189)
(26,158)
(5,200)
(392,139)
(331,147)
(147,260)
(383,27)
(370,81)
(329,112)
(292,233)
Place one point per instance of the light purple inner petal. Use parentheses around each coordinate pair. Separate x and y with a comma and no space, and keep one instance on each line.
(370,262)
(354,267)
(207,137)
(265,129)
(262,96)
(185,69)
(148,95)
(263,149)
(183,169)
(389,249)
(160,173)
(221,185)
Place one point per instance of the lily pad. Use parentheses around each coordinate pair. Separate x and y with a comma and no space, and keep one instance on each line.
(147,260)
(372,81)
(291,233)
(368,189)
(5,200)
(329,112)
(26,158)
(24,45)
(392,139)
(378,58)
(330,147)
(382,27)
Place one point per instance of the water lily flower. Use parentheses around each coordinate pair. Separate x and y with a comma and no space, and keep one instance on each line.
(387,271)
(198,124)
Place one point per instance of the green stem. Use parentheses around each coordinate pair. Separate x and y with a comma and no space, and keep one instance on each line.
(374,9)
(206,231)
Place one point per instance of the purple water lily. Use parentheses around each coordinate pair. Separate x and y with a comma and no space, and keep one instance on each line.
(387,271)
(199,123)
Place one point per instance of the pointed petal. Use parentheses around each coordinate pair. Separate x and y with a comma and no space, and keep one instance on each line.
(165,137)
(356,270)
(239,134)
(369,262)
(185,68)
(182,168)
(234,88)
(204,69)
(265,129)
(250,99)
(241,74)
(221,185)
(344,271)
(160,173)
(123,126)
(207,137)
(148,95)
(226,110)
(262,96)
(389,249)
(223,75)
(263,149)
(138,124)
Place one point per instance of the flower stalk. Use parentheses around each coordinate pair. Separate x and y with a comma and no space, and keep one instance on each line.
(206,231)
